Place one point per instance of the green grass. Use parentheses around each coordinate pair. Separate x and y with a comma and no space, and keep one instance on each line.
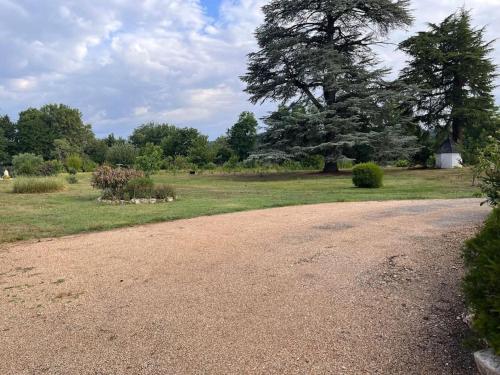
(76,210)
(35,185)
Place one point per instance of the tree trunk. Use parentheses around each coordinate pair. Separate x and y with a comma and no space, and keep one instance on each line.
(331,167)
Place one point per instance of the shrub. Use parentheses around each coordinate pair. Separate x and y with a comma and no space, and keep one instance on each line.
(367,175)
(488,170)
(482,282)
(431,162)
(72,179)
(50,168)
(72,171)
(74,161)
(140,187)
(150,159)
(27,164)
(89,165)
(121,154)
(402,163)
(345,164)
(314,162)
(113,181)
(162,191)
(31,185)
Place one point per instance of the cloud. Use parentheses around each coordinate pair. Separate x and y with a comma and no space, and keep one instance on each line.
(124,62)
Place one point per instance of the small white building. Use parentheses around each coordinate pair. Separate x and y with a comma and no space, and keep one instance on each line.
(448,156)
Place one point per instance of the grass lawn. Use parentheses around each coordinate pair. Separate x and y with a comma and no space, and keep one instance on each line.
(76,210)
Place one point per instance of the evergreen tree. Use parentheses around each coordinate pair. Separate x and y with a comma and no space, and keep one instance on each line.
(318,54)
(450,62)
(8,139)
(243,135)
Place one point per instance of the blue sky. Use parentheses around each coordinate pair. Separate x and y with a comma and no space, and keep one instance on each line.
(126,62)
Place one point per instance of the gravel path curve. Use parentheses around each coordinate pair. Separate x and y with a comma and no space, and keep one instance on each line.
(343,288)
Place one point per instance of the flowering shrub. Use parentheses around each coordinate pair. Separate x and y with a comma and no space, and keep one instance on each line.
(113,181)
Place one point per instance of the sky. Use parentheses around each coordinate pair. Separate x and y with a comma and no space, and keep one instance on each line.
(128,62)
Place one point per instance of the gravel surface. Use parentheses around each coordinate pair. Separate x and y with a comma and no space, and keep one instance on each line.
(344,288)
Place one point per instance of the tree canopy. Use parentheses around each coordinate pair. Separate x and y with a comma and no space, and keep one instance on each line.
(319,54)
(242,136)
(450,63)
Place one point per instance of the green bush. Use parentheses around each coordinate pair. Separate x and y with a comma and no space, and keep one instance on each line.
(402,163)
(140,187)
(74,161)
(482,282)
(121,154)
(113,181)
(162,191)
(50,168)
(27,164)
(31,185)
(72,179)
(150,159)
(89,165)
(367,175)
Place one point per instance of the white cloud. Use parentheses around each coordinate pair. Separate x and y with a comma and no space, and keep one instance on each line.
(123,62)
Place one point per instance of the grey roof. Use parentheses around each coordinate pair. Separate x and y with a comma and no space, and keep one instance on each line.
(448,147)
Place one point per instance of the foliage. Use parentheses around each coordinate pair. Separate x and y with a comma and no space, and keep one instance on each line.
(367,175)
(482,284)
(488,170)
(140,187)
(200,153)
(450,63)
(243,135)
(50,168)
(179,141)
(150,159)
(27,164)
(402,163)
(8,146)
(72,179)
(33,185)
(96,150)
(319,55)
(37,129)
(74,161)
(89,165)
(221,150)
(164,191)
(121,154)
(113,181)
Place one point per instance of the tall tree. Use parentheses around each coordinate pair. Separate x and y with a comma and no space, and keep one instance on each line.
(451,64)
(242,136)
(37,129)
(8,131)
(319,53)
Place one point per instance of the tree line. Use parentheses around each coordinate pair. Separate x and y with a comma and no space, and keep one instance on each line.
(316,59)
(57,132)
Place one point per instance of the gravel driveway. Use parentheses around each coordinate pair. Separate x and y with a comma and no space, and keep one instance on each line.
(344,288)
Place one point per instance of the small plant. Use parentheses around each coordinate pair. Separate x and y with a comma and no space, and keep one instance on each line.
(72,171)
(113,181)
(482,282)
(431,162)
(163,191)
(367,175)
(72,179)
(27,164)
(140,187)
(402,163)
(33,185)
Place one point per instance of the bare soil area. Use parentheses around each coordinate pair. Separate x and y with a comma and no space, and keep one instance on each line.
(344,288)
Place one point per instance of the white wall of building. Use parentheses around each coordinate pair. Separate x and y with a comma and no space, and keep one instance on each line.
(448,161)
